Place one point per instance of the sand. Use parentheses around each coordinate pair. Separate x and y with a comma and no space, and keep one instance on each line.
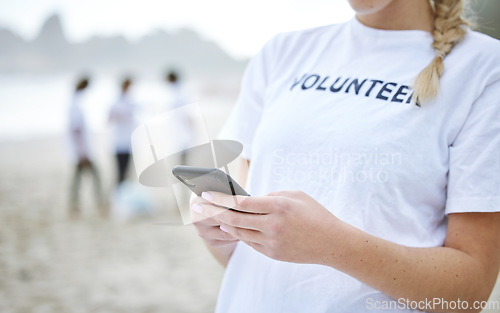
(49,263)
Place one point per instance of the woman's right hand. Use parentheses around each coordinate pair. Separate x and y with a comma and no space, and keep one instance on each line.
(209,228)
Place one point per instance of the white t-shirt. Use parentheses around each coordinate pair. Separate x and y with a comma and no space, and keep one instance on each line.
(328,111)
(78,132)
(122,117)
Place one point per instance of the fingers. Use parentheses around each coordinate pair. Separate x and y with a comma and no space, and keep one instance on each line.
(199,219)
(195,203)
(230,217)
(197,200)
(245,235)
(260,205)
(214,233)
(207,210)
(225,200)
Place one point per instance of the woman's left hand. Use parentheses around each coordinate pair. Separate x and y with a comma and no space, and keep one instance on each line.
(287,225)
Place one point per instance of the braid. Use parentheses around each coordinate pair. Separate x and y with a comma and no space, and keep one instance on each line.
(448,31)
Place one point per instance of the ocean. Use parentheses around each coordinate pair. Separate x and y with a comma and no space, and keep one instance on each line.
(36,106)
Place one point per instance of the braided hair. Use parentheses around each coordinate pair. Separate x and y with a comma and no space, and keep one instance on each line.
(449,29)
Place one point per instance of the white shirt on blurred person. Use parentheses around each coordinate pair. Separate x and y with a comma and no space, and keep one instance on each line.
(78,130)
(122,117)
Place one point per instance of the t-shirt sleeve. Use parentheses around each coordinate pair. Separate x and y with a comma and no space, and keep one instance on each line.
(246,113)
(474,174)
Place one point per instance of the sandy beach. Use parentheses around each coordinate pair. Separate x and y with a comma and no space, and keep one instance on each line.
(49,263)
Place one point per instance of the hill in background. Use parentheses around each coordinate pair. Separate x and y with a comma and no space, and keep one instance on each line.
(50,51)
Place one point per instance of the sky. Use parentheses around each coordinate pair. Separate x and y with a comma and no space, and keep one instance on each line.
(239,27)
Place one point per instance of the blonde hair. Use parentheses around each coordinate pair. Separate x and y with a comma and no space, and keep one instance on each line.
(449,29)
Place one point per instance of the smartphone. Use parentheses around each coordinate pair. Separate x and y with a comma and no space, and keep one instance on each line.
(200,179)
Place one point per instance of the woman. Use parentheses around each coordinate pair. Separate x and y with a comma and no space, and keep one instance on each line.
(399,186)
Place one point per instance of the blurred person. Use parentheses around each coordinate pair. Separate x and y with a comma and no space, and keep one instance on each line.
(373,149)
(122,118)
(81,150)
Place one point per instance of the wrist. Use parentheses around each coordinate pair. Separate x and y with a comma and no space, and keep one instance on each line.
(337,242)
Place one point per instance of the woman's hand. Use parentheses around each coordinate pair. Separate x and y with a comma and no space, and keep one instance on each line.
(209,228)
(287,226)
